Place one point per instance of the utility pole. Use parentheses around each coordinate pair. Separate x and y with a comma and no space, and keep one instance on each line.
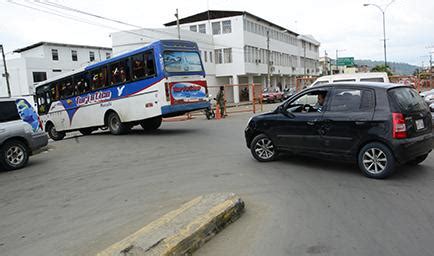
(304,58)
(6,71)
(268,60)
(177,24)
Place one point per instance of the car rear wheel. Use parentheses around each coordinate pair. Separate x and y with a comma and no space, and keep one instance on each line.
(376,161)
(418,160)
(54,134)
(14,155)
(263,149)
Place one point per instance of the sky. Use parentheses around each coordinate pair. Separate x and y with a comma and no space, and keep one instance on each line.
(338,24)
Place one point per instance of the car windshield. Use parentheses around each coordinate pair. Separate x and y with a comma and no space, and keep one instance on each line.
(407,99)
(180,62)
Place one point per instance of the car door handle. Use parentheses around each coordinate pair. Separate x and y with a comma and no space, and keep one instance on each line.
(311,122)
(360,122)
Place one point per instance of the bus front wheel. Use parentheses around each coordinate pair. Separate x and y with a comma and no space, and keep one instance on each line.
(152,123)
(54,134)
(115,125)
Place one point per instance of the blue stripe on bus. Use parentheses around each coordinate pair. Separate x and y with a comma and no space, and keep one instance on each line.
(183,107)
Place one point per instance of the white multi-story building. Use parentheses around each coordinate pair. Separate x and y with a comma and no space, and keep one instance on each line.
(44,60)
(234,48)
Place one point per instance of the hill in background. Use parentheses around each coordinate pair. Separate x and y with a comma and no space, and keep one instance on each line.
(398,68)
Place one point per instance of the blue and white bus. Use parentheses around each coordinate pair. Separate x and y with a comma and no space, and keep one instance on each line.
(163,79)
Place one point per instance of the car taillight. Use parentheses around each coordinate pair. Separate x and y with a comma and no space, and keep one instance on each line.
(399,127)
(167,87)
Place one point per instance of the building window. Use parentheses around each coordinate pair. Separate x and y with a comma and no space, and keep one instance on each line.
(228,55)
(193,28)
(39,76)
(227,27)
(202,28)
(55,54)
(210,57)
(108,55)
(218,56)
(205,55)
(216,28)
(91,56)
(74,55)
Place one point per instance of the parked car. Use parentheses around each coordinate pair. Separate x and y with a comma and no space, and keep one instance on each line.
(377,125)
(428,96)
(288,92)
(21,133)
(270,95)
(356,77)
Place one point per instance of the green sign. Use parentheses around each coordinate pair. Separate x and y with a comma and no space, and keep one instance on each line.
(346,61)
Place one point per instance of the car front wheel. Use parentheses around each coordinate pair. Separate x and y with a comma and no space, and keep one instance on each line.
(376,161)
(263,149)
(14,155)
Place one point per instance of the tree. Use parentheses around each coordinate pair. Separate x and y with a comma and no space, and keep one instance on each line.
(382,68)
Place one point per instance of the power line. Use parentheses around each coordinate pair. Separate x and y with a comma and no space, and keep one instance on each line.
(68,8)
(85,13)
(76,19)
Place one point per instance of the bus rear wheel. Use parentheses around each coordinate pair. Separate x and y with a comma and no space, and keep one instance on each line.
(151,124)
(115,125)
(54,134)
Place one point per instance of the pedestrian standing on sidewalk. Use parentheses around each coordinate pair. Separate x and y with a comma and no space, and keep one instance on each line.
(221,100)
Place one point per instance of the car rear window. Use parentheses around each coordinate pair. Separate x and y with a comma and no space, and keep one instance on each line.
(404,99)
(372,79)
(344,80)
(8,111)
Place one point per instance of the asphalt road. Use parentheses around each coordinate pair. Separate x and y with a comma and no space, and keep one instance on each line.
(91,191)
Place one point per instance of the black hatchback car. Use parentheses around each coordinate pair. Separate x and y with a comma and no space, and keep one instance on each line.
(378,125)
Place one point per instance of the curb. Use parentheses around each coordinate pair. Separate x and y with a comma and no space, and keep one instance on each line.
(184,230)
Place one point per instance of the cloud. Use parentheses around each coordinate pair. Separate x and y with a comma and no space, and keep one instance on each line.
(337,24)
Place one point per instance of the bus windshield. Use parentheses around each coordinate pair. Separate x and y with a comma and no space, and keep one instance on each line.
(181,62)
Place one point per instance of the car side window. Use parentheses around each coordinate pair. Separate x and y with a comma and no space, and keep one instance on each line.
(352,100)
(8,111)
(310,102)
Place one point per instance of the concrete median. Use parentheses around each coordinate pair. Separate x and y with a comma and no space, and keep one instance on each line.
(184,230)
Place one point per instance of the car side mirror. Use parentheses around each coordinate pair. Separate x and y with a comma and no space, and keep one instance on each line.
(283,110)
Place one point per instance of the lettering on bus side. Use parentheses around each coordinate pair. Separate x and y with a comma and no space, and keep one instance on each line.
(93,98)
(106,104)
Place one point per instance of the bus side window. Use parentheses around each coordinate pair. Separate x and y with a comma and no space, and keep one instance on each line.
(66,88)
(81,84)
(55,91)
(98,78)
(138,66)
(149,64)
(119,72)
(41,103)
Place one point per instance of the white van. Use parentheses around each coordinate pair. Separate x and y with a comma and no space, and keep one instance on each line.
(357,77)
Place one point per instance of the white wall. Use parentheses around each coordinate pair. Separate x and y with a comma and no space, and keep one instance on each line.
(39,59)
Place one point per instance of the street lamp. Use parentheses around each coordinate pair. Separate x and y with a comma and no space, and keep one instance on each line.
(383,11)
